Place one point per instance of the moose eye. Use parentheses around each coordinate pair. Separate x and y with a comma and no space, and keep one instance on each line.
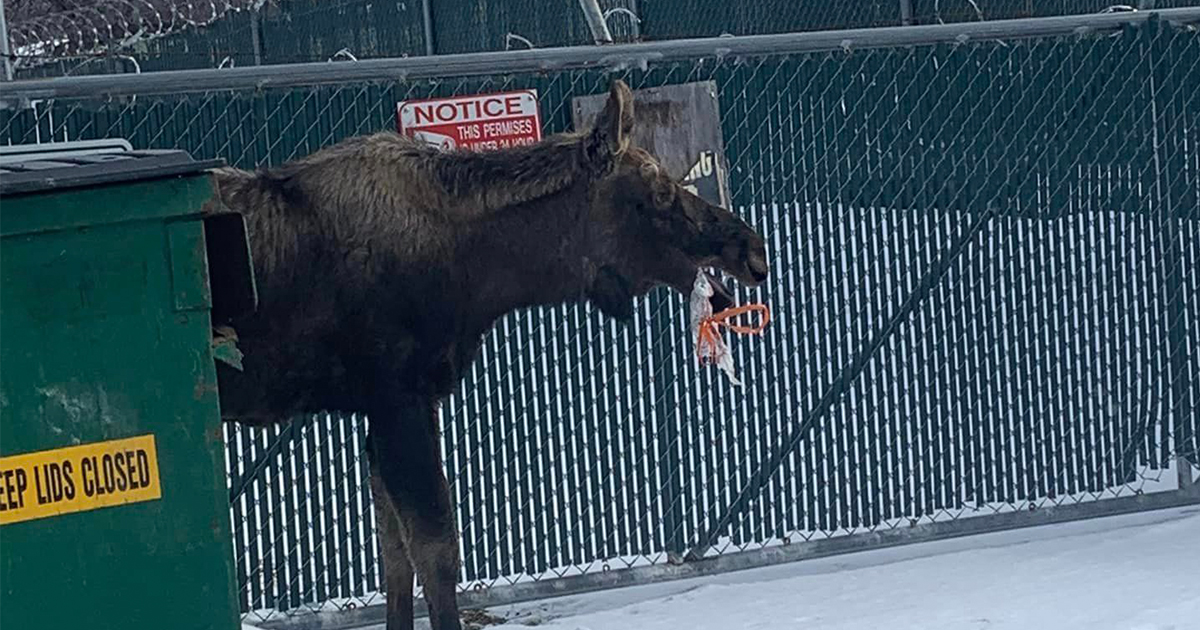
(663,196)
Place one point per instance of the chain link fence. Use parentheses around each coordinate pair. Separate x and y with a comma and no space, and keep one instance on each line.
(985,296)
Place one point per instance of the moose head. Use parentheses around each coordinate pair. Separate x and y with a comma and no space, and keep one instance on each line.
(650,230)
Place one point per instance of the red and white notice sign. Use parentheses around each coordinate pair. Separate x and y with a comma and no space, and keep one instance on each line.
(478,122)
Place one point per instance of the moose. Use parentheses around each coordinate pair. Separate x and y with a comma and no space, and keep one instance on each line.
(381,262)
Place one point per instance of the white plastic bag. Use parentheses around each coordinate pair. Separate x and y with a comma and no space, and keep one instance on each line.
(711,348)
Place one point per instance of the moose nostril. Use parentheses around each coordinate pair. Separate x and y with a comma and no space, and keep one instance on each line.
(756,261)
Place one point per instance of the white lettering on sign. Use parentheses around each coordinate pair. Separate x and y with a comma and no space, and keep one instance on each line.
(478,122)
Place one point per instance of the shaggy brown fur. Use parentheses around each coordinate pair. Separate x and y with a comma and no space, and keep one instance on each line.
(381,263)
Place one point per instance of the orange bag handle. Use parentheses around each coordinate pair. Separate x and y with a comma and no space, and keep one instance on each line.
(708,335)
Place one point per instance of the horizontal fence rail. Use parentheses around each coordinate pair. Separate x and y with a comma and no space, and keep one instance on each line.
(985,300)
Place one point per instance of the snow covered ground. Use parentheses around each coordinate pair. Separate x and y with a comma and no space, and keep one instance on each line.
(1137,572)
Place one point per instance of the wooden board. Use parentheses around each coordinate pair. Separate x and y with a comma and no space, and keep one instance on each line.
(681,125)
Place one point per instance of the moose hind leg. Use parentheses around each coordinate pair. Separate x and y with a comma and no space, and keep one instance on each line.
(396,566)
(410,466)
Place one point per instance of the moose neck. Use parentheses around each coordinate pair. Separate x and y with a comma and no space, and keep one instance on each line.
(531,254)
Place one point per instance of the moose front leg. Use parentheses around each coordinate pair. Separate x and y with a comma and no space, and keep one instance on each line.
(396,566)
(407,455)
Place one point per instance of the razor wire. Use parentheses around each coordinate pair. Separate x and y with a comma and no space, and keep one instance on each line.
(77,28)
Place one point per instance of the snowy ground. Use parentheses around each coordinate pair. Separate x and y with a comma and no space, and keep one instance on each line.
(1137,572)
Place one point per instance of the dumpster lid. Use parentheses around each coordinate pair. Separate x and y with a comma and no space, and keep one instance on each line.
(59,165)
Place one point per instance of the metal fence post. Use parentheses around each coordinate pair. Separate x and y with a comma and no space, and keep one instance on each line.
(595,20)
(256,35)
(1184,471)
(1171,201)
(4,50)
(427,26)
(906,12)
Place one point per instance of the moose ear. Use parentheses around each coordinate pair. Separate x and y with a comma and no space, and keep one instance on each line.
(610,135)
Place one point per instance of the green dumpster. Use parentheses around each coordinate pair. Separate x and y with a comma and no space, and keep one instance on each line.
(114,509)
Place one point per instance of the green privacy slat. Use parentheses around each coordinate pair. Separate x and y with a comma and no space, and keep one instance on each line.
(310,531)
(478,423)
(1056,461)
(256,531)
(556,520)
(235,453)
(288,474)
(357,547)
(500,560)
(609,450)
(347,521)
(591,419)
(647,513)
(504,449)
(548,541)
(314,529)
(322,506)
(666,430)
(522,443)
(575,438)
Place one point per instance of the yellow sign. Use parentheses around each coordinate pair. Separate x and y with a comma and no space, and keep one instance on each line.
(78,478)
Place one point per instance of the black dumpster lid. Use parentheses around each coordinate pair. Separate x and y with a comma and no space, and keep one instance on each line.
(55,166)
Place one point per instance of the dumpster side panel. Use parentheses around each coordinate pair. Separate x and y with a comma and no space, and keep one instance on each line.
(98,344)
